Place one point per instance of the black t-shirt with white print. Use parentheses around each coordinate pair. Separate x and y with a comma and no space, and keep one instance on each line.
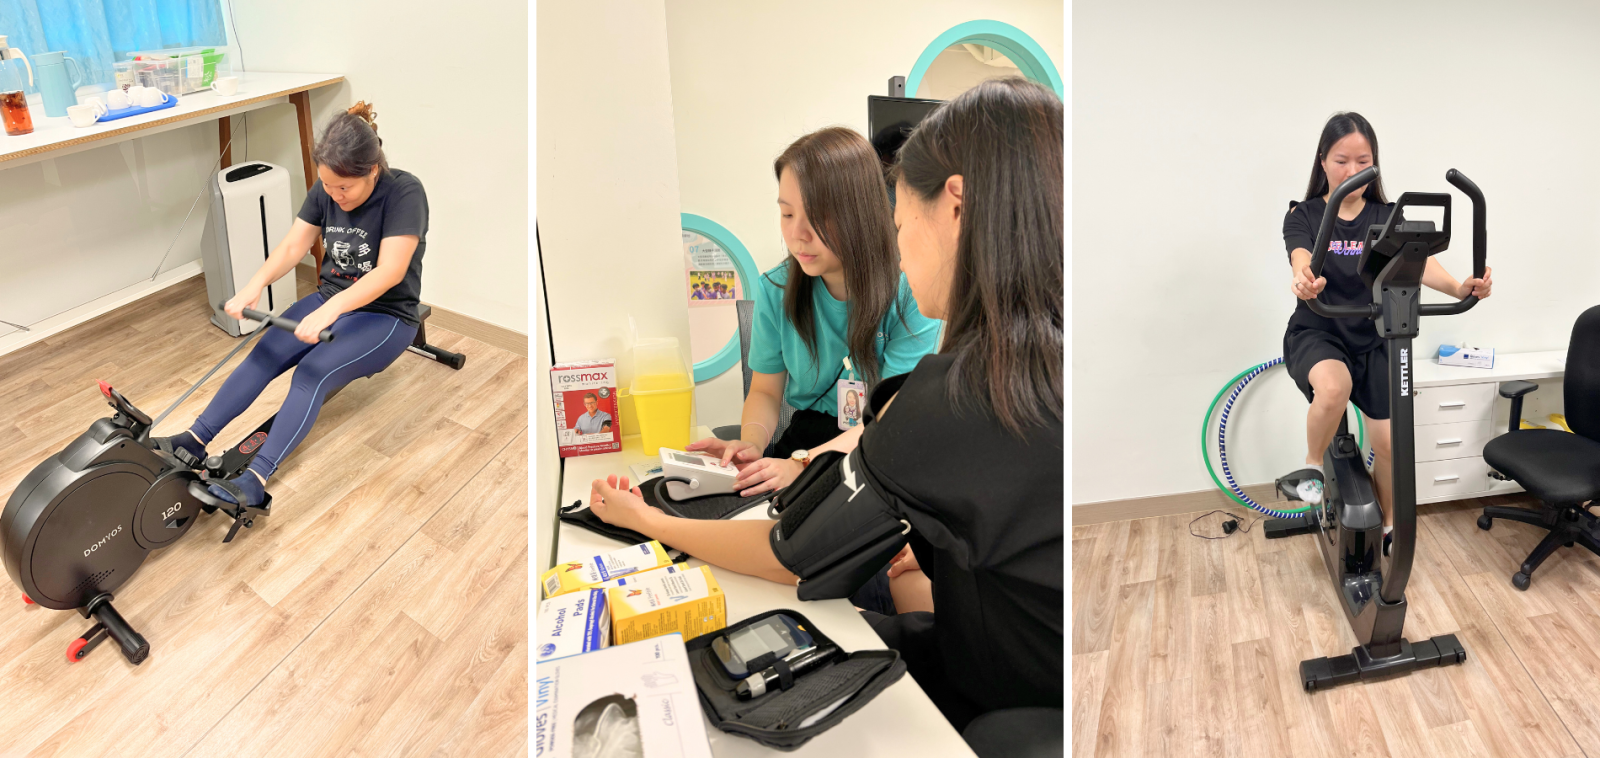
(1345,287)
(350,240)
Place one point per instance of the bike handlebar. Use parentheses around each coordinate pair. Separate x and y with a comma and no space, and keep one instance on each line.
(1319,253)
(286,324)
(1480,244)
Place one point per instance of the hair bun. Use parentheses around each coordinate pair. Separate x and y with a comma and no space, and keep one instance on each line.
(363,110)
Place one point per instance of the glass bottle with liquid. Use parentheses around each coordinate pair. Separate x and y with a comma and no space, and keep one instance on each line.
(16,74)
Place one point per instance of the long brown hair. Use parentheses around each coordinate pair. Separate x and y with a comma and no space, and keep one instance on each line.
(350,146)
(1004,319)
(1339,126)
(841,185)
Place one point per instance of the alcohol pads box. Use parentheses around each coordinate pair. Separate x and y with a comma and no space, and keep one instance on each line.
(688,603)
(1471,357)
(573,624)
(635,700)
(585,400)
(571,576)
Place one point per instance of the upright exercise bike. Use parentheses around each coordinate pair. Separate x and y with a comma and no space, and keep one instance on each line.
(84,520)
(1349,525)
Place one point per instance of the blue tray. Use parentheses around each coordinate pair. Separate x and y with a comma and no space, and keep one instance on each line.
(126,112)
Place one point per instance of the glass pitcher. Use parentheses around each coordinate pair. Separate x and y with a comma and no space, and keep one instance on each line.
(16,75)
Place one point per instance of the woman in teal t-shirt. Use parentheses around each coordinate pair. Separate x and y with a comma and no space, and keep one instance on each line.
(838,299)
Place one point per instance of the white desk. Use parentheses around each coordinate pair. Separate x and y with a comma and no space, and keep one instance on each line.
(1458,410)
(900,721)
(55,137)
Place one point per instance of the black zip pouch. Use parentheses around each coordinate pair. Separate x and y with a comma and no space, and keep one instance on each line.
(787,715)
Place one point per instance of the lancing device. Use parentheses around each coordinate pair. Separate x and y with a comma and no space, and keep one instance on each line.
(756,685)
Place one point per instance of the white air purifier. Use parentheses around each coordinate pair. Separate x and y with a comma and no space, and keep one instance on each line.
(250,215)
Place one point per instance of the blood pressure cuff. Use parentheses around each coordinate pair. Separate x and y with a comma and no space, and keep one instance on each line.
(838,527)
(655,494)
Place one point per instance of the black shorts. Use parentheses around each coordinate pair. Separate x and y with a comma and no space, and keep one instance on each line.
(1369,371)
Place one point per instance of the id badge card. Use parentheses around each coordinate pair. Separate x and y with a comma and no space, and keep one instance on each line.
(852,395)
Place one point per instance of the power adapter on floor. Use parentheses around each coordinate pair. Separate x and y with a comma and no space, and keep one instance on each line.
(1228,527)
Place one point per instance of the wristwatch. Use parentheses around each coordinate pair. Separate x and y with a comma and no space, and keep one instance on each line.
(803,457)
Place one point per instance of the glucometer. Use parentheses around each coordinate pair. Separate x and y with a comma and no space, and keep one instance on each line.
(701,475)
(771,638)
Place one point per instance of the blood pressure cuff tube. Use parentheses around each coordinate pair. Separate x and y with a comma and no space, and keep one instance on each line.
(838,527)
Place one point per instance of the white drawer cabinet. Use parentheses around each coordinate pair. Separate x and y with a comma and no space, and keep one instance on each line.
(1462,439)
(1451,479)
(1458,410)
(1454,403)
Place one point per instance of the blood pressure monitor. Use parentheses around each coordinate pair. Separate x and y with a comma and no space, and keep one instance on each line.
(705,475)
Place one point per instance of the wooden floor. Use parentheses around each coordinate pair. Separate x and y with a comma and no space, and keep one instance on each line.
(1188,647)
(380,611)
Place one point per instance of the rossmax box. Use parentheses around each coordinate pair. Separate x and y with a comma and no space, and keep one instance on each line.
(584,396)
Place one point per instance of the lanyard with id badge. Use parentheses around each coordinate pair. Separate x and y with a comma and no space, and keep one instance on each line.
(849,394)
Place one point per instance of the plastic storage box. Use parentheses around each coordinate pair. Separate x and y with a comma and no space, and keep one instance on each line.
(179,71)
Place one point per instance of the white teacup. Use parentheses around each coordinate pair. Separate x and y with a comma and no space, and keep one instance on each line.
(226,86)
(83,115)
(117,100)
(152,97)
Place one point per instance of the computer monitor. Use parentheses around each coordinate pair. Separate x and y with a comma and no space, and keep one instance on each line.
(891,119)
(889,122)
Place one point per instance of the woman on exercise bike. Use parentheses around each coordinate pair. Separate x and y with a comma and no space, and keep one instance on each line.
(374,225)
(1336,361)
(972,436)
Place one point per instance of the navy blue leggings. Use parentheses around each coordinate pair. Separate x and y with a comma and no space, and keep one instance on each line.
(363,344)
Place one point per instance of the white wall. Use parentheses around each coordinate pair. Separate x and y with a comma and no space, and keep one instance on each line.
(750,78)
(608,175)
(1193,125)
(449,86)
(86,225)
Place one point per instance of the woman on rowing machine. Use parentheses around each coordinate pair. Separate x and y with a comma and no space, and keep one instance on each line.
(1335,361)
(374,225)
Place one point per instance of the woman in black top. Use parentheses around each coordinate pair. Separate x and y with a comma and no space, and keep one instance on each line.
(980,236)
(1335,361)
(373,221)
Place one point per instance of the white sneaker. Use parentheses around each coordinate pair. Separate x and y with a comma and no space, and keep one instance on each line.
(1310,490)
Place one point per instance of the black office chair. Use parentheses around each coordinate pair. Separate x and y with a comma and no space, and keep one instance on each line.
(747,315)
(1561,469)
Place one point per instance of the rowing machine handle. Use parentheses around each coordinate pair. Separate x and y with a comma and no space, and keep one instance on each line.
(1480,244)
(286,324)
(1319,251)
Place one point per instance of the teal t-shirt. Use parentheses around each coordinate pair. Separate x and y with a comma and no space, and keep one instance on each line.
(775,346)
